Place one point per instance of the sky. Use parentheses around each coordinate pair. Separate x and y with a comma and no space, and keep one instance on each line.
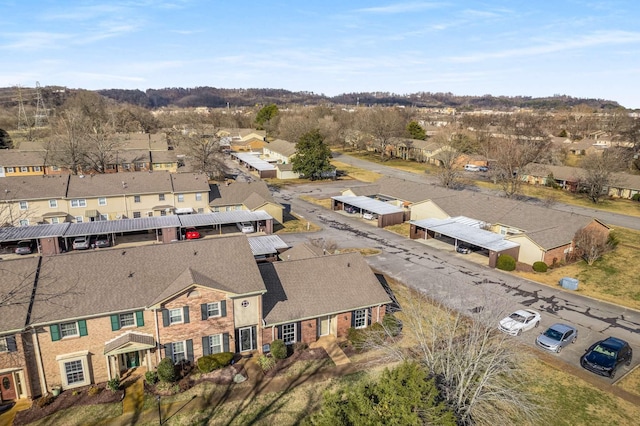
(588,49)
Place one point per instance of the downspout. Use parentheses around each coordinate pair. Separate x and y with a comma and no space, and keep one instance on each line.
(38,356)
(155,319)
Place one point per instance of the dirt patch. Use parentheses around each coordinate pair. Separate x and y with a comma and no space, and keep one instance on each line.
(68,399)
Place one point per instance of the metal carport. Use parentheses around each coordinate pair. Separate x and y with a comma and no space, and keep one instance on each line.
(387,213)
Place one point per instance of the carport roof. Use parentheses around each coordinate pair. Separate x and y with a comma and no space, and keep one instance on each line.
(254,161)
(222,218)
(121,225)
(32,232)
(467,230)
(267,244)
(368,204)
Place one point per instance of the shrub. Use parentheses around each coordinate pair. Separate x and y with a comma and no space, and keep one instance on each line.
(392,324)
(114,384)
(166,370)
(636,197)
(300,346)
(93,391)
(151,377)
(266,362)
(540,267)
(208,363)
(184,384)
(356,336)
(506,263)
(278,349)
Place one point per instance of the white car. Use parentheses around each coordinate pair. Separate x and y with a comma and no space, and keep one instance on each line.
(369,216)
(245,227)
(519,321)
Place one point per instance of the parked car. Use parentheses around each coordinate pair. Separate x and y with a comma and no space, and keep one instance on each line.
(519,321)
(81,243)
(557,337)
(369,216)
(102,241)
(24,247)
(461,248)
(471,168)
(483,168)
(245,227)
(350,209)
(606,356)
(192,234)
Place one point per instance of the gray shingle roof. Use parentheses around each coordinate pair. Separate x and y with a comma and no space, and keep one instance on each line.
(300,289)
(190,182)
(120,279)
(16,283)
(91,186)
(33,187)
(301,251)
(16,158)
(238,192)
(282,147)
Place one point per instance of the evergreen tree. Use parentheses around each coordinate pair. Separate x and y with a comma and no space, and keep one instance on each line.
(312,156)
(416,131)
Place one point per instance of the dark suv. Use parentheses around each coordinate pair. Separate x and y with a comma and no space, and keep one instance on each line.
(606,356)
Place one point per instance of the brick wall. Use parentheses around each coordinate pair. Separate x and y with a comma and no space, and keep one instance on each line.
(344,324)
(197,328)
(309,331)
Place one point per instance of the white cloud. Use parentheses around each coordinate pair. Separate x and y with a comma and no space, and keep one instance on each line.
(401,7)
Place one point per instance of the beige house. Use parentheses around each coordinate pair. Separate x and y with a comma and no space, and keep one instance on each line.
(279,151)
(30,200)
(250,196)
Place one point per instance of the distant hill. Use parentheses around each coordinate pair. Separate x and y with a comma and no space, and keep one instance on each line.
(217,98)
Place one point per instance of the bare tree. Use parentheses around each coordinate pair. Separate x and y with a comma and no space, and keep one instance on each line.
(598,175)
(524,141)
(291,127)
(447,158)
(592,243)
(478,370)
(383,124)
(68,146)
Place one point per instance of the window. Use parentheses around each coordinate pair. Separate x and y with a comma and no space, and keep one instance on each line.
(360,318)
(180,198)
(179,352)
(200,210)
(55,168)
(24,205)
(3,345)
(136,215)
(69,329)
(149,214)
(213,309)
(53,204)
(55,220)
(10,170)
(24,222)
(102,201)
(215,344)
(104,217)
(74,372)
(136,198)
(163,212)
(79,219)
(140,165)
(289,333)
(175,316)
(127,320)
(79,202)
(160,197)
(24,169)
(198,196)
(37,168)
(126,166)
(8,344)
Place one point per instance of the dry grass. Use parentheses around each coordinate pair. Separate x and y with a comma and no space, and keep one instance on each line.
(362,251)
(357,173)
(614,278)
(81,415)
(631,382)
(400,229)
(294,223)
(322,202)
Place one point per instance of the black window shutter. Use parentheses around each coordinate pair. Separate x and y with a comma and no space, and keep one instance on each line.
(168,351)
(165,317)
(185,317)
(190,350)
(254,341)
(353,318)
(225,342)
(223,308)
(139,318)
(115,322)
(279,328)
(203,311)
(12,346)
(206,346)
(299,332)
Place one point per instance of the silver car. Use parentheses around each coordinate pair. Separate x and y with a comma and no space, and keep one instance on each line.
(557,337)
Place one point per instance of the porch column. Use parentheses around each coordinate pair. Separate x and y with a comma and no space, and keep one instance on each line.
(106,358)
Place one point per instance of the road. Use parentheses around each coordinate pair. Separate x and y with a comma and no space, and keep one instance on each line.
(452,279)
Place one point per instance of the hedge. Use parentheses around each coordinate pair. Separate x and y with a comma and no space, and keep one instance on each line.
(208,363)
(540,266)
(506,263)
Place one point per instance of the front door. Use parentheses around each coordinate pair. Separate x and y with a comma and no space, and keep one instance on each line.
(246,339)
(7,387)
(325,325)
(132,359)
